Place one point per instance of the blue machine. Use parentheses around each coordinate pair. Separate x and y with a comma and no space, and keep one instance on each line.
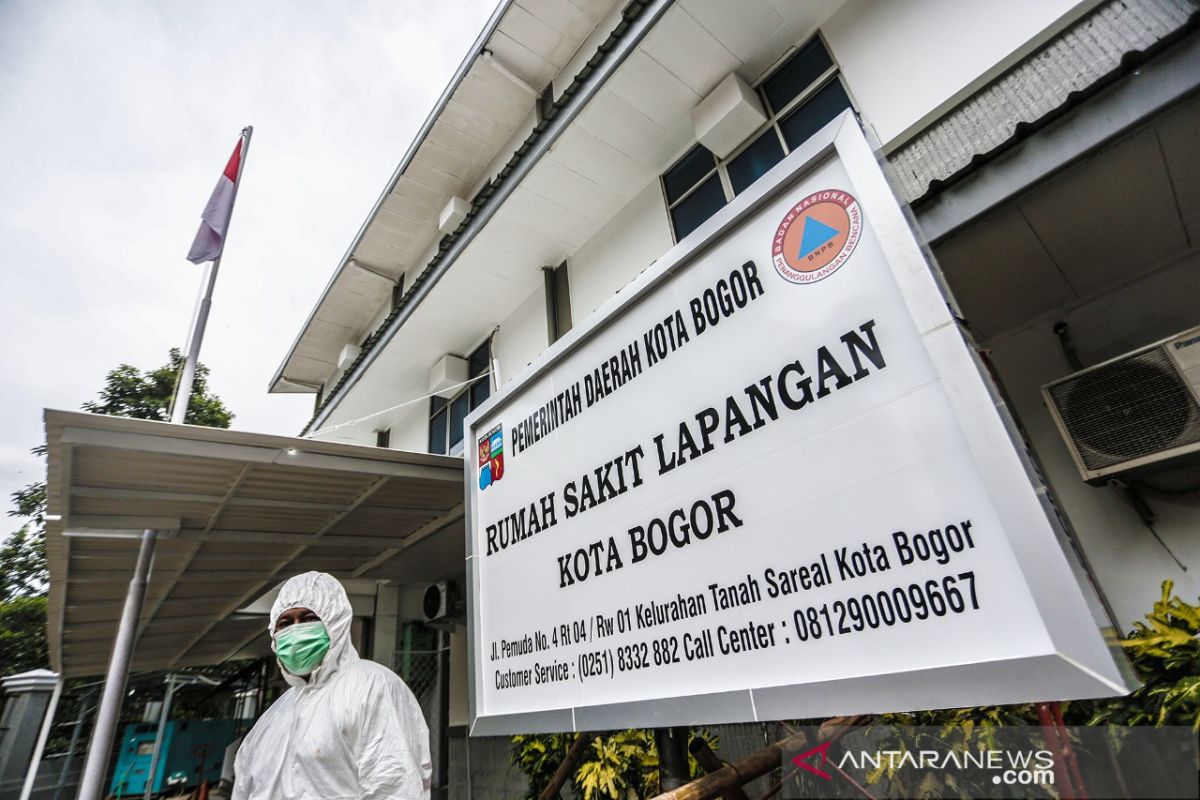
(191,748)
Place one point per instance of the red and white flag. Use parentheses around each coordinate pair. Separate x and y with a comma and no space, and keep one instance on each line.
(210,239)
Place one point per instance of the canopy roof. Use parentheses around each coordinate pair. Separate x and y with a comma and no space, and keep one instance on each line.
(238,513)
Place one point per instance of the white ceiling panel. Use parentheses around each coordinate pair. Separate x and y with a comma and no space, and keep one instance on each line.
(412,195)
(1110,215)
(618,123)
(1000,273)
(531,67)
(568,19)
(469,148)
(750,29)
(650,88)
(597,160)
(537,36)
(553,179)
(547,218)
(689,51)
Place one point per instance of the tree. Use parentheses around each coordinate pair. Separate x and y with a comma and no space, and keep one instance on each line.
(23,564)
(127,392)
(130,393)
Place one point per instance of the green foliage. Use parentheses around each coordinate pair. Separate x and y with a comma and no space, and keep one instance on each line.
(23,565)
(128,392)
(538,756)
(1165,652)
(22,634)
(31,501)
(621,765)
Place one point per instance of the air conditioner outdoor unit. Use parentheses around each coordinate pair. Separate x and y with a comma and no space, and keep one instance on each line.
(443,606)
(1137,410)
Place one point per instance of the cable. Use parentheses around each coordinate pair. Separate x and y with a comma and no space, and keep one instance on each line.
(341,425)
(1132,496)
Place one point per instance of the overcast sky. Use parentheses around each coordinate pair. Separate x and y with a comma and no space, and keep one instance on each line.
(116,120)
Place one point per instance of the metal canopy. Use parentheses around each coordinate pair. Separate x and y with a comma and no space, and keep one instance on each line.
(239,512)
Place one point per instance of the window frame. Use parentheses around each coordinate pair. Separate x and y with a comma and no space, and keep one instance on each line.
(774,117)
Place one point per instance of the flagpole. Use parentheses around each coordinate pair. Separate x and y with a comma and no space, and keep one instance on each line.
(91,784)
(187,375)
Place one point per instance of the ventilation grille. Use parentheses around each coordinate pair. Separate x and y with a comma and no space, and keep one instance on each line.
(1126,410)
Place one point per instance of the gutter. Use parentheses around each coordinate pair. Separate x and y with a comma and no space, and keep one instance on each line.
(477,49)
(638,17)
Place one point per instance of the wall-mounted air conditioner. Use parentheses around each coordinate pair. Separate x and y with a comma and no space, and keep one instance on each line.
(443,606)
(1137,410)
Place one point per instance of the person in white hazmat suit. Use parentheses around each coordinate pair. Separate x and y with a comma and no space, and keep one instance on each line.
(347,727)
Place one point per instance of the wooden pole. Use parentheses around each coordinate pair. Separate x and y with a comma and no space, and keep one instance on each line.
(711,763)
(567,767)
(753,766)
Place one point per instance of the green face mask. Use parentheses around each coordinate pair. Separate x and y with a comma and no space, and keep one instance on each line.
(300,648)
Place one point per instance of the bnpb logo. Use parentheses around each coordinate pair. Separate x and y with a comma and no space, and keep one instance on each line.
(816,236)
(491,457)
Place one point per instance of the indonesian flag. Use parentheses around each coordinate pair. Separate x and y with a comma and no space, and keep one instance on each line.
(210,239)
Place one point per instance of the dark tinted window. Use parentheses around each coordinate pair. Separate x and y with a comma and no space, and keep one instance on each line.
(437,430)
(699,206)
(809,63)
(458,412)
(814,113)
(688,172)
(477,362)
(480,391)
(755,160)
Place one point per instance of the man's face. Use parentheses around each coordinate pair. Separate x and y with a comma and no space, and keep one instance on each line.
(295,615)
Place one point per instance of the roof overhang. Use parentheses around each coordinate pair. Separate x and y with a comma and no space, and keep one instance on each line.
(237,513)
(488,100)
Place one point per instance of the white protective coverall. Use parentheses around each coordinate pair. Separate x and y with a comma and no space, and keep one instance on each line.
(351,730)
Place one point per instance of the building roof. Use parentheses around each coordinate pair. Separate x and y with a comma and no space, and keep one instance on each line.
(238,513)
(522,47)
(1076,62)
(623,116)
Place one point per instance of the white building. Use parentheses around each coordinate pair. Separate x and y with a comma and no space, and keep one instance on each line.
(1049,151)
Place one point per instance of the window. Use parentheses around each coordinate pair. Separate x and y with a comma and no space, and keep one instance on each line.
(446,415)
(558,302)
(799,97)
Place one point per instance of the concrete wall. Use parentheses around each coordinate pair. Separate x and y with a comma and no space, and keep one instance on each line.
(631,241)
(1128,563)
(908,61)
(522,336)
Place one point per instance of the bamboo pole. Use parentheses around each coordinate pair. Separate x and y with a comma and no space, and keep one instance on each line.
(711,763)
(567,767)
(753,766)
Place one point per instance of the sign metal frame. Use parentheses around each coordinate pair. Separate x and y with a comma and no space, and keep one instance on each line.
(1083,664)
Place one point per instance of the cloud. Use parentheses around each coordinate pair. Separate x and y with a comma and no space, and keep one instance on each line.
(115,121)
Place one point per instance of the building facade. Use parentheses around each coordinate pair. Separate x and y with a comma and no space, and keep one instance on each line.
(1049,153)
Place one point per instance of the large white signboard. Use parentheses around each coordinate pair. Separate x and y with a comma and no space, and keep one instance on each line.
(766,481)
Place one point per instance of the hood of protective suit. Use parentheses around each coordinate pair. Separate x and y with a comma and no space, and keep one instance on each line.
(325,596)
